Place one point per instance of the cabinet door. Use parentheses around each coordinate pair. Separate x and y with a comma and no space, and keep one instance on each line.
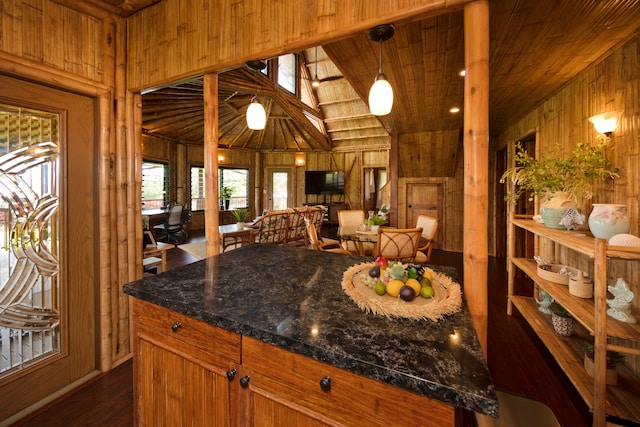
(176,391)
(283,388)
(180,370)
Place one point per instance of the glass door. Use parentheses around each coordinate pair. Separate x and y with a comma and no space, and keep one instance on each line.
(280,189)
(47,243)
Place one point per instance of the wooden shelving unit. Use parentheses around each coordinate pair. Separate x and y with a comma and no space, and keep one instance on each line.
(622,400)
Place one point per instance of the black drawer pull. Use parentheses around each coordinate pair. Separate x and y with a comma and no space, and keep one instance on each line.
(325,383)
(244,381)
(175,326)
(231,373)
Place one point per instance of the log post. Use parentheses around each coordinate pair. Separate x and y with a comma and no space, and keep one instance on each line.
(211,207)
(476,163)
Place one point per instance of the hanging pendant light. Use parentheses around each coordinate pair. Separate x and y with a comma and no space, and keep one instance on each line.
(256,116)
(316,81)
(381,93)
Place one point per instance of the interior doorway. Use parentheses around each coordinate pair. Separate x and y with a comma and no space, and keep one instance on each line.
(374,179)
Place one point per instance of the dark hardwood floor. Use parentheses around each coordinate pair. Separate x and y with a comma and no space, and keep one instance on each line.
(517,360)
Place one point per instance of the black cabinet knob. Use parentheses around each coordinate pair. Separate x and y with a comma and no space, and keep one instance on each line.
(244,381)
(175,326)
(231,373)
(325,383)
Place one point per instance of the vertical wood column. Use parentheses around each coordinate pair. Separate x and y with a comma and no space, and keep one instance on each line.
(476,163)
(211,207)
(393,180)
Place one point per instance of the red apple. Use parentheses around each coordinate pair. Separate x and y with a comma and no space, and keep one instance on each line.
(382,261)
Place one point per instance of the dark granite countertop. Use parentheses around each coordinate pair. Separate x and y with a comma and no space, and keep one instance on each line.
(292,298)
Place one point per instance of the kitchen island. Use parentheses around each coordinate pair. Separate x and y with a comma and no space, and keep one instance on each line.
(266,330)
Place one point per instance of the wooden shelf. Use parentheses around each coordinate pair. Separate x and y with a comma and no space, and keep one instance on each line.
(580,241)
(622,400)
(581,309)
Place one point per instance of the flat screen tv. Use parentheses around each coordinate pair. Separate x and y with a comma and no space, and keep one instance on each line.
(324,182)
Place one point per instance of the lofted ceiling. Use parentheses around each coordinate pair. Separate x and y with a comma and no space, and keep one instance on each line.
(535,47)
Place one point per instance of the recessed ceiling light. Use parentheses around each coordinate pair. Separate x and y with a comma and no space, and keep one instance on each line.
(454,110)
(462,73)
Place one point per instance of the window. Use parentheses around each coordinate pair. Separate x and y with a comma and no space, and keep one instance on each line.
(197,188)
(155,184)
(287,72)
(237,180)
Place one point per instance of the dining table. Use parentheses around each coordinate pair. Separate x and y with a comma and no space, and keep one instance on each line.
(359,234)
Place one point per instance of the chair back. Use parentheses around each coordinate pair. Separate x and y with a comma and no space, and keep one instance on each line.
(175,216)
(398,243)
(350,217)
(429,226)
(312,235)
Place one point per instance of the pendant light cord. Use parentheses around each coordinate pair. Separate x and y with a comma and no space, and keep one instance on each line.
(380,69)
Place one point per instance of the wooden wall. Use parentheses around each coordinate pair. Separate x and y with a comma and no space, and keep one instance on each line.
(613,84)
(170,40)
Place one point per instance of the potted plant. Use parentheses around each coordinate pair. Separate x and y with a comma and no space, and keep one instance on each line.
(375,221)
(613,358)
(561,320)
(241,215)
(225,196)
(571,178)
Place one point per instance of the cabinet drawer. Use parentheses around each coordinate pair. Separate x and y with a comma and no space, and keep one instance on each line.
(178,332)
(351,399)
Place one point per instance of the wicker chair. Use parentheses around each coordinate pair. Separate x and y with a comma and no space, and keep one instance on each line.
(398,243)
(316,244)
(429,227)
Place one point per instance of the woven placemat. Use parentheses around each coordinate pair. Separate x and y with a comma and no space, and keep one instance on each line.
(447,299)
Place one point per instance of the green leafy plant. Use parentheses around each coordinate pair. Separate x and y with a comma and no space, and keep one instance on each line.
(574,175)
(225,193)
(376,220)
(559,310)
(613,357)
(240,214)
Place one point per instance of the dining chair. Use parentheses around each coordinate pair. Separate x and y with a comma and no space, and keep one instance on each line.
(429,227)
(398,243)
(316,244)
(173,227)
(353,217)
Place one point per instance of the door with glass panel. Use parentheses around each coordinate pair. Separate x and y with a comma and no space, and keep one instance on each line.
(47,235)
(281,192)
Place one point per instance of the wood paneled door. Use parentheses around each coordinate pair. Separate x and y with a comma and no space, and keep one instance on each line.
(48,260)
(426,199)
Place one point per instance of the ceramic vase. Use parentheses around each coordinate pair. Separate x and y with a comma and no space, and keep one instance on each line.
(552,210)
(607,220)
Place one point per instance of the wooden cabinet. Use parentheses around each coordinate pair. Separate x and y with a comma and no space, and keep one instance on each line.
(184,375)
(287,389)
(621,400)
(180,370)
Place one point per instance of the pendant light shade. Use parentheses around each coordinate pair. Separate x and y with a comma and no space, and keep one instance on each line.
(316,81)
(381,93)
(380,96)
(256,115)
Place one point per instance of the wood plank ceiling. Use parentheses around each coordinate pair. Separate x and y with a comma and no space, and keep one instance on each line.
(536,46)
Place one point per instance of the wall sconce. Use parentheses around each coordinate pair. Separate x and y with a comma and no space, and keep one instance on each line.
(606,123)
(220,157)
(301,159)
(381,93)
(256,116)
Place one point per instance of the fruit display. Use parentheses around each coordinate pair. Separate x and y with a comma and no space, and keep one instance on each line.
(391,279)
(396,289)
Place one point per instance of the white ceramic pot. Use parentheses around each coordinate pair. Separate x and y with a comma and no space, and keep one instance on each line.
(607,220)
